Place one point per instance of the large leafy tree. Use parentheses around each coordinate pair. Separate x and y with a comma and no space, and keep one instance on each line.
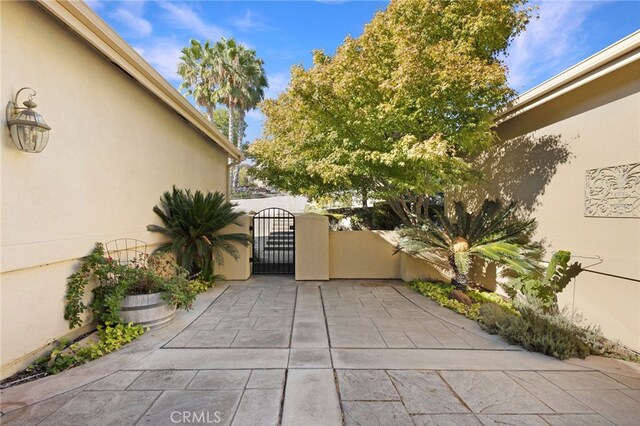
(398,112)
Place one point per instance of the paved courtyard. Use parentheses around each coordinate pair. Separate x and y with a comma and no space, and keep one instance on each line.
(272,351)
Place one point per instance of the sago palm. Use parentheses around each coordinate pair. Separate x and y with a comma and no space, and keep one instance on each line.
(193,222)
(492,233)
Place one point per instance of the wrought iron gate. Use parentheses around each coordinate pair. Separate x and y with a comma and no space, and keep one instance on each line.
(273,242)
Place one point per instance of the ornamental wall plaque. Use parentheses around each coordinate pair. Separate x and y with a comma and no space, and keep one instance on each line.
(613,191)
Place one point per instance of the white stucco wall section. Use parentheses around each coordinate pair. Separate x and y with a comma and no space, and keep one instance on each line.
(114,149)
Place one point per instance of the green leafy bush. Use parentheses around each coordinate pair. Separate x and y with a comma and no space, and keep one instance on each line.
(378,217)
(493,233)
(543,290)
(534,331)
(439,292)
(193,223)
(111,337)
(528,324)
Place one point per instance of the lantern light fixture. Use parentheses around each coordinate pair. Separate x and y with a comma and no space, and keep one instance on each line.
(28,129)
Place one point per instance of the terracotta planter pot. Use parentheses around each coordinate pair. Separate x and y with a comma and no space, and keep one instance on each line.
(147,310)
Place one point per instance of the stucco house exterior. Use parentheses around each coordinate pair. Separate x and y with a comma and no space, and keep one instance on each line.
(121,136)
(571,156)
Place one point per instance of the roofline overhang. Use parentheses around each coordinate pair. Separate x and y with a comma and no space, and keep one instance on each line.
(85,23)
(611,58)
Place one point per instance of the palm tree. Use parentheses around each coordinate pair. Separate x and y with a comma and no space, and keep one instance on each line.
(228,74)
(239,80)
(193,222)
(492,233)
(195,70)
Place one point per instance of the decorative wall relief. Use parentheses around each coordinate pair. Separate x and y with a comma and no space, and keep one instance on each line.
(613,191)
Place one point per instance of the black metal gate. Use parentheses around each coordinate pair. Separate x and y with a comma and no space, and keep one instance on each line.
(273,242)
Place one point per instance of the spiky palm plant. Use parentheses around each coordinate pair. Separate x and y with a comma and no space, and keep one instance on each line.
(193,222)
(492,233)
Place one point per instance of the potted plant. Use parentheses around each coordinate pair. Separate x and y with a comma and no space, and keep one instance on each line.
(127,293)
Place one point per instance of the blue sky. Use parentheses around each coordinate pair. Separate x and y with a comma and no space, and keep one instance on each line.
(285,32)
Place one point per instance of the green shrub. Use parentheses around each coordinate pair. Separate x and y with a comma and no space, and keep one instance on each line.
(378,217)
(493,233)
(543,290)
(439,292)
(111,337)
(534,331)
(193,224)
(528,324)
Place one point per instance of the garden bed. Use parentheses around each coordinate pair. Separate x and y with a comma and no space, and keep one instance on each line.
(555,334)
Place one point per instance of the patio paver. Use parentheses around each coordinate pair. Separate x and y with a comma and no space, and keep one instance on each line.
(275,351)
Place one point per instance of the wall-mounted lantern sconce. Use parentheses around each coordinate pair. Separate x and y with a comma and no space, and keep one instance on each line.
(28,130)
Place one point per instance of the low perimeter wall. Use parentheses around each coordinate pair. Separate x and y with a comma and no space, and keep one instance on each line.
(322,254)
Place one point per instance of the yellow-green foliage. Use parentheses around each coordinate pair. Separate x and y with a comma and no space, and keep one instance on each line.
(535,331)
(111,337)
(439,292)
(396,110)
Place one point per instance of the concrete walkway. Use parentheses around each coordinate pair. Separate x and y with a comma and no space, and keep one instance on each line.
(272,351)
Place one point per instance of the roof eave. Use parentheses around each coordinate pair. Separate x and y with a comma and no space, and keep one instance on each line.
(91,28)
(611,58)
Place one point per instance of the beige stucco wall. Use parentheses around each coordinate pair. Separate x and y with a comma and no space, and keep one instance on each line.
(113,150)
(312,247)
(370,255)
(413,268)
(362,254)
(237,269)
(543,164)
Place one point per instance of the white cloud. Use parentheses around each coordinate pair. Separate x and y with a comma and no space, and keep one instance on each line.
(163,55)
(249,21)
(134,22)
(94,4)
(549,44)
(278,82)
(254,119)
(184,17)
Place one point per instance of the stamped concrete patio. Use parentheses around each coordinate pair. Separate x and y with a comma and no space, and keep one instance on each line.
(272,351)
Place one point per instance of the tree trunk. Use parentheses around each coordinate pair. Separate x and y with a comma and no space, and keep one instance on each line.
(459,280)
(230,130)
(240,128)
(411,209)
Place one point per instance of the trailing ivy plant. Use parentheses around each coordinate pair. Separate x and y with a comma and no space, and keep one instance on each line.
(93,264)
(66,355)
(117,281)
